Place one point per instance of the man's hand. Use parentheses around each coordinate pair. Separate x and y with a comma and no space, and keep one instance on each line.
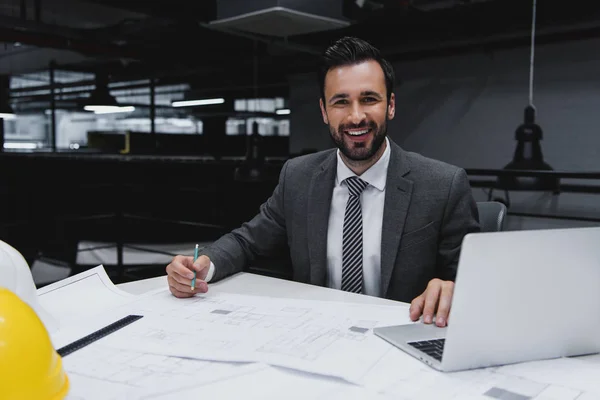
(436,299)
(180,273)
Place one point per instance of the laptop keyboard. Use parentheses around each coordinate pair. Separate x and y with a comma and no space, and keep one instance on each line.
(433,348)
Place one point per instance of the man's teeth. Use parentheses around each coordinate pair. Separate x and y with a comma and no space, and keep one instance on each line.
(357,133)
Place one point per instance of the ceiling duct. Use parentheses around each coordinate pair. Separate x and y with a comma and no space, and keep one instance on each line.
(281,18)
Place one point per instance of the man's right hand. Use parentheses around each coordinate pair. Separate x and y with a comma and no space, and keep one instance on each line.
(180,273)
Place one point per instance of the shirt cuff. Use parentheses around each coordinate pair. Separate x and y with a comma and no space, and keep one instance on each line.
(211,272)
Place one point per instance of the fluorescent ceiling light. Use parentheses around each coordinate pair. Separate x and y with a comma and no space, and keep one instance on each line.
(201,102)
(20,145)
(109,109)
(283,111)
(7,116)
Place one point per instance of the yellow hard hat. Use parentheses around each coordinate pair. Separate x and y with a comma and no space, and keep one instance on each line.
(30,368)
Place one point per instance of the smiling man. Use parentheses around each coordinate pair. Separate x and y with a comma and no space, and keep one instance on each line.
(367,217)
(356,106)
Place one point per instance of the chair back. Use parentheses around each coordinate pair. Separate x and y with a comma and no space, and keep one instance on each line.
(491,216)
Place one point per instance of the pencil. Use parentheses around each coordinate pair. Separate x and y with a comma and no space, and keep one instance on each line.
(195,258)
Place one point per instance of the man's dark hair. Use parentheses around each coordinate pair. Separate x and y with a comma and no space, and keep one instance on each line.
(350,51)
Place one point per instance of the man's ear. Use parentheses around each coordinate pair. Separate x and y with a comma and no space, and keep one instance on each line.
(391,111)
(323,112)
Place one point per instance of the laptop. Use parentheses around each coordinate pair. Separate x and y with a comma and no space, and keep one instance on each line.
(518,296)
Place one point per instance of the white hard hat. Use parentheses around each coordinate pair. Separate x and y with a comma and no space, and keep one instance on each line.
(15,275)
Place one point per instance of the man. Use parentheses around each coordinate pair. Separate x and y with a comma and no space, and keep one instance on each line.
(368,217)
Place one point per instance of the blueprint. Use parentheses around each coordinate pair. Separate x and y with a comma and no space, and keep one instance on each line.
(326,338)
(557,379)
(577,374)
(221,345)
(81,295)
(273,383)
(104,373)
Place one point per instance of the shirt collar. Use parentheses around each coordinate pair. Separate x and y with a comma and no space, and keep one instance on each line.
(375,176)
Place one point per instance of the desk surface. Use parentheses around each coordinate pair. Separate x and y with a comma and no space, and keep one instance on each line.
(395,374)
(251,284)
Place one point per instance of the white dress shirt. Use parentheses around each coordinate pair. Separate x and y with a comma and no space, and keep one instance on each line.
(372,201)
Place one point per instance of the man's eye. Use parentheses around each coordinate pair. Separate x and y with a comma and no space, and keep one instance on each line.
(341,102)
(369,99)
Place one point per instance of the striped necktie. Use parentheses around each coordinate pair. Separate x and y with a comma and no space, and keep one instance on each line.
(352,247)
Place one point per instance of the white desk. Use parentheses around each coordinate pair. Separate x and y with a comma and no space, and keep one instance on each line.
(257,285)
(398,377)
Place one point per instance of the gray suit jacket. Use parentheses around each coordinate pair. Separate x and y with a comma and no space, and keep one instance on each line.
(429,208)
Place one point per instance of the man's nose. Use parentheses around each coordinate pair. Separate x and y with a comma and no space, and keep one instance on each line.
(356,115)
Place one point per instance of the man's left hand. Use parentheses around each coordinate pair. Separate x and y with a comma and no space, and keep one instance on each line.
(436,299)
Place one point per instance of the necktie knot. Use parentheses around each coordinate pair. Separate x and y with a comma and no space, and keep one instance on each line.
(356,185)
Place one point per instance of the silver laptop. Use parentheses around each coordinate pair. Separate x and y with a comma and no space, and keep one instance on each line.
(519,296)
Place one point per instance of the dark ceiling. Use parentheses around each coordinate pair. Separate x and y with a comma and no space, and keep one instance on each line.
(171,41)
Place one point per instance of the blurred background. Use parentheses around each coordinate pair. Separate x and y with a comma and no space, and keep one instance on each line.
(132,130)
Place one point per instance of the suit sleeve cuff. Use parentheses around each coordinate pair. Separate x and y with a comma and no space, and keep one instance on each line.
(211,272)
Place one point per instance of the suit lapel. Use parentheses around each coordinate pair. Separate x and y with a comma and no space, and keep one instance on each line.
(397,200)
(319,204)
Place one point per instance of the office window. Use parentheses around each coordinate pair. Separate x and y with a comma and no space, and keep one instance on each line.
(267,105)
(266,126)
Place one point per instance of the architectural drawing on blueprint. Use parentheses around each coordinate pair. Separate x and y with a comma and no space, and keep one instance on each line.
(296,332)
(312,336)
(101,372)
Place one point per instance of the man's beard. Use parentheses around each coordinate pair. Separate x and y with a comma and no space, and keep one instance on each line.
(359,151)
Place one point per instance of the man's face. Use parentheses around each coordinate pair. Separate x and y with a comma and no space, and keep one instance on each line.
(356,109)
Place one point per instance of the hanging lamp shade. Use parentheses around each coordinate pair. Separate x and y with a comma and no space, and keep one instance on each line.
(100,96)
(528,154)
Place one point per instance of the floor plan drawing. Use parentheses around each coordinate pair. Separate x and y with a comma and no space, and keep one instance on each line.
(115,374)
(312,336)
